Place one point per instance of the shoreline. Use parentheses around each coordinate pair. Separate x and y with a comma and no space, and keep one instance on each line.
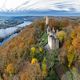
(9,33)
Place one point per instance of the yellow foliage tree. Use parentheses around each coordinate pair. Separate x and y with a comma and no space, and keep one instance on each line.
(76,43)
(61,35)
(41,49)
(70,56)
(44,67)
(33,50)
(73,34)
(68,44)
(10,68)
(34,60)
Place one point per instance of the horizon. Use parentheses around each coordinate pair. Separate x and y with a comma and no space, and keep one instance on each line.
(38,13)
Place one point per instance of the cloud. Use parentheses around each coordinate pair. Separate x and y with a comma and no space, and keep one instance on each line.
(59,5)
(10,4)
(71,5)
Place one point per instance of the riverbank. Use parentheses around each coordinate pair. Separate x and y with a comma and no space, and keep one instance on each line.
(8,33)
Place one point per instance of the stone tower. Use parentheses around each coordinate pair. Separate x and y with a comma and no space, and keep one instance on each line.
(47,20)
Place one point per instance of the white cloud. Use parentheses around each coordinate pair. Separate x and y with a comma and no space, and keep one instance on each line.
(10,4)
(66,5)
(71,5)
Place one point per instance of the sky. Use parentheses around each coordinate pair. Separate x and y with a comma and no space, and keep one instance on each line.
(68,7)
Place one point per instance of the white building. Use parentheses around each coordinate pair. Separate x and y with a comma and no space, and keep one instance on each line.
(53,42)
